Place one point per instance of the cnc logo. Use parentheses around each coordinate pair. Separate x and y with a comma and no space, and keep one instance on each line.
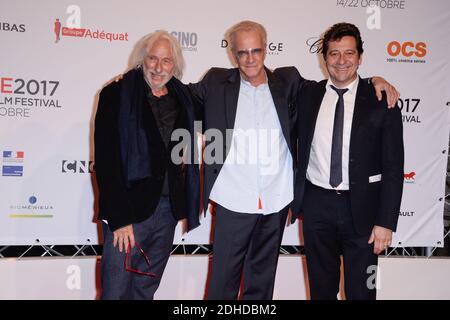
(77,166)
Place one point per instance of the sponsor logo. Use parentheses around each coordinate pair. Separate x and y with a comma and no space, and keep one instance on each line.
(406,52)
(188,40)
(314,44)
(13,160)
(12,27)
(273,48)
(77,166)
(410,177)
(407,213)
(73,29)
(33,208)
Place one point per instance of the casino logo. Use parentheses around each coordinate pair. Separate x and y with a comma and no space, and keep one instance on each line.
(188,40)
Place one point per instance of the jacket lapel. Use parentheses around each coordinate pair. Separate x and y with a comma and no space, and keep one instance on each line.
(316,102)
(281,105)
(232,86)
(360,108)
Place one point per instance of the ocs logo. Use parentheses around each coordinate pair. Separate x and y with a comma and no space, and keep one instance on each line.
(77,166)
(407,49)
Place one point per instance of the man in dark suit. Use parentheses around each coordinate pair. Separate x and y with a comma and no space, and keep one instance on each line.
(254,110)
(143,192)
(250,176)
(350,176)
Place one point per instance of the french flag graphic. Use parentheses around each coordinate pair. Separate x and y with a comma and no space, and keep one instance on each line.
(13,154)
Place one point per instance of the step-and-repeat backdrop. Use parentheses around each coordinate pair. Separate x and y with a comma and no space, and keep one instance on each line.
(55,57)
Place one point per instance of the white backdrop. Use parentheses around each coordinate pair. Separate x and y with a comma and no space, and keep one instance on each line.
(48,95)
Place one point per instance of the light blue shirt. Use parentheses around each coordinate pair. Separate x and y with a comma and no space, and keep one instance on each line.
(258,167)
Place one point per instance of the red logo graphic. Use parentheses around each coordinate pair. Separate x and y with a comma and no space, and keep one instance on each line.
(410,176)
(61,31)
(57,30)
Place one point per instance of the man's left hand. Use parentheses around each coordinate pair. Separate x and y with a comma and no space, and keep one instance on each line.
(381,238)
(382,85)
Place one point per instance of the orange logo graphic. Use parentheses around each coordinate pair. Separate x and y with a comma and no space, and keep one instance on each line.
(407,49)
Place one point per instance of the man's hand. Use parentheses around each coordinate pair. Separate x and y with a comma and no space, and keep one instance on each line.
(381,237)
(124,236)
(382,85)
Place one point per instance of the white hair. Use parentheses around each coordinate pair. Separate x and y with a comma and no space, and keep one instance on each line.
(145,44)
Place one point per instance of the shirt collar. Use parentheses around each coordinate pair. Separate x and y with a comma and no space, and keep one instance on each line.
(262,86)
(352,86)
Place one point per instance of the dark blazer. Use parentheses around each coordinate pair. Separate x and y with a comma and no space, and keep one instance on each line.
(376,147)
(122,203)
(217,95)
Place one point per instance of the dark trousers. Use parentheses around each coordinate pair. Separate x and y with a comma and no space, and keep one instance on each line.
(155,236)
(328,233)
(245,245)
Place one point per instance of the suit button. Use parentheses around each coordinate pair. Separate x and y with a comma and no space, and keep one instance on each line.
(351,160)
(215,171)
(352,182)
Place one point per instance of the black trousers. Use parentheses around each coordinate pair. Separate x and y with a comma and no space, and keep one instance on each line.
(245,245)
(328,233)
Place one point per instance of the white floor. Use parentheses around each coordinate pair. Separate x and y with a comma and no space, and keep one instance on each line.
(185,278)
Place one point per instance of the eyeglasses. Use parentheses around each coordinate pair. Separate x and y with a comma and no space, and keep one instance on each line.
(127,262)
(244,54)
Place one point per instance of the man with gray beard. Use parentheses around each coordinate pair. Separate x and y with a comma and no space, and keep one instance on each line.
(142,193)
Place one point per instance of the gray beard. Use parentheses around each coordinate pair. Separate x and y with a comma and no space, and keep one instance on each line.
(152,86)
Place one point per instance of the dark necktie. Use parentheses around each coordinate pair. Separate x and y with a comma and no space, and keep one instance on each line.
(336,145)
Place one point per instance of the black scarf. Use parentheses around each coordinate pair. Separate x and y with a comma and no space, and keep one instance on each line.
(133,139)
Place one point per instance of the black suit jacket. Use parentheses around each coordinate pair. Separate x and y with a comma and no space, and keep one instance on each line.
(217,95)
(122,203)
(376,147)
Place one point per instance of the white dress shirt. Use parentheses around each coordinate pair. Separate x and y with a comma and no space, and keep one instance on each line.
(257,175)
(318,171)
